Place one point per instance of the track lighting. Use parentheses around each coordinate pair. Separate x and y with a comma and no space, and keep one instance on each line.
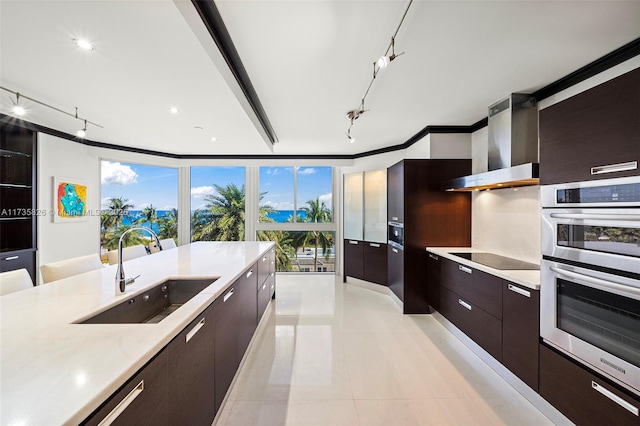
(82,132)
(19,110)
(381,63)
(386,60)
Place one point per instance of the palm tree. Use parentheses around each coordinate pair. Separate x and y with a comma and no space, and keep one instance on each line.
(227,209)
(316,212)
(111,239)
(116,210)
(168,224)
(149,214)
(111,219)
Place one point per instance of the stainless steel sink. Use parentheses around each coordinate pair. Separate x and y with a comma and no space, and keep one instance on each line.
(153,305)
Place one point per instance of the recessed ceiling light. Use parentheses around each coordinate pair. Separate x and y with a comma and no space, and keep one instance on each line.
(83,44)
(173,110)
(213,139)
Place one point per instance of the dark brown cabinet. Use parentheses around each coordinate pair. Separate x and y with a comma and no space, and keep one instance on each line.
(481,327)
(365,260)
(584,397)
(235,322)
(600,127)
(354,259)
(433,280)
(191,373)
(431,217)
(472,300)
(395,270)
(482,289)
(145,395)
(521,331)
(375,262)
(18,213)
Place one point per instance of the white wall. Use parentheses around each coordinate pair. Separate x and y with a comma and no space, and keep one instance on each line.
(60,157)
(507,222)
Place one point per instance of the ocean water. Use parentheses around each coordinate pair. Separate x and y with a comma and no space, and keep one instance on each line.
(135,213)
(281,216)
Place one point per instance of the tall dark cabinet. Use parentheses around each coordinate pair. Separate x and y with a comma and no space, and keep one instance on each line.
(17,199)
(429,217)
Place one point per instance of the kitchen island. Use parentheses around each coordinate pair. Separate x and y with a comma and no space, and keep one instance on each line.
(55,371)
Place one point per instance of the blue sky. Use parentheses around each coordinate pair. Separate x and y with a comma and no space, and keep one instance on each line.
(145,185)
(141,184)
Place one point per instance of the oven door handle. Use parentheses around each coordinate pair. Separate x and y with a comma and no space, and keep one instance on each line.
(597,216)
(597,282)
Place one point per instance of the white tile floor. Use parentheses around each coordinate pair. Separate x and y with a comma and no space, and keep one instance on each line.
(336,354)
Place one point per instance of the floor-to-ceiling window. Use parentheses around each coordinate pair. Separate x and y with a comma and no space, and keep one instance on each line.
(137,194)
(296,211)
(217,203)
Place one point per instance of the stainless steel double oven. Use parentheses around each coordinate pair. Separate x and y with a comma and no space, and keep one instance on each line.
(590,275)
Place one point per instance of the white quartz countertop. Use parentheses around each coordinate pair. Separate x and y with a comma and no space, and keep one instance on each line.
(529,279)
(55,372)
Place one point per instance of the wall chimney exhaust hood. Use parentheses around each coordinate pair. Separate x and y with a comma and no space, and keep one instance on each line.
(513,147)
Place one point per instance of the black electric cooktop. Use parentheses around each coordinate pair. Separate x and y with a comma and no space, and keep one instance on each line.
(497,262)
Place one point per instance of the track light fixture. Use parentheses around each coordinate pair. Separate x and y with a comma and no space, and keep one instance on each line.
(19,110)
(381,63)
(386,60)
(82,132)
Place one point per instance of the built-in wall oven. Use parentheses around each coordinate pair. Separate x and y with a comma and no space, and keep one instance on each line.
(590,275)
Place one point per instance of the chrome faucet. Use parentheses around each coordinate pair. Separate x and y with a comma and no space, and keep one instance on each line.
(121,281)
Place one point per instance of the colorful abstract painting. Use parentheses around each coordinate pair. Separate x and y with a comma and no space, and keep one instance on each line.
(70,199)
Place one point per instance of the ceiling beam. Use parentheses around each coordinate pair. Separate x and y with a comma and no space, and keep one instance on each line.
(205,21)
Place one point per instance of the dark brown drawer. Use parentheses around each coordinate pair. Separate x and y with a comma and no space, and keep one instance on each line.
(477,287)
(578,393)
(264,269)
(482,328)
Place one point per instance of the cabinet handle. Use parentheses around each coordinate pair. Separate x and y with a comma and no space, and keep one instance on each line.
(264,286)
(272,286)
(394,250)
(12,258)
(610,168)
(519,290)
(249,273)
(433,256)
(355,243)
(465,269)
(615,398)
(264,259)
(195,329)
(464,304)
(374,245)
(115,413)
(228,295)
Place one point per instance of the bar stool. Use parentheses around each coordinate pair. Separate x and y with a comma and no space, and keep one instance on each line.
(66,268)
(128,253)
(167,243)
(12,281)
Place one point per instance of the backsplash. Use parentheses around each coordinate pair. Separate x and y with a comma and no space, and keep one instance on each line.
(507,222)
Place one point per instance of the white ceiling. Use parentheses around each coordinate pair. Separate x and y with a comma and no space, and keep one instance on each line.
(309,61)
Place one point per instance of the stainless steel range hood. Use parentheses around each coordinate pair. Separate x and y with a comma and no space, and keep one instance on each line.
(513,147)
